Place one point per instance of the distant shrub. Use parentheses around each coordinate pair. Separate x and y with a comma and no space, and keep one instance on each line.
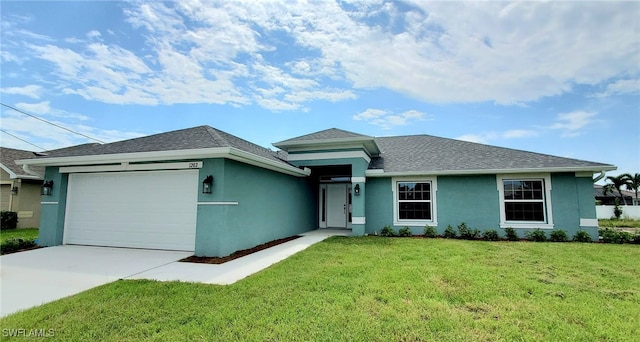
(558,236)
(387,231)
(582,236)
(430,231)
(617,211)
(636,239)
(405,232)
(449,233)
(613,236)
(537,235)
(467,233)
(490,235)
(625,237)
(8,219)
(511,234)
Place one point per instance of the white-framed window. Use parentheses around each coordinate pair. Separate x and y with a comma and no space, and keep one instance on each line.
(525,201)
(414,201)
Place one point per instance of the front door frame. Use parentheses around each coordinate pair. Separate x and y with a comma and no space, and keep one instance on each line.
(324,214)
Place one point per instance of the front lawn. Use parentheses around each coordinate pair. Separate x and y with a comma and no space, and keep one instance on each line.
(377,289)
(619,223)
(18,233)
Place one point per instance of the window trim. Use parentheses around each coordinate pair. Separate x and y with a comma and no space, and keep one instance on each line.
(546,201)
(396,207)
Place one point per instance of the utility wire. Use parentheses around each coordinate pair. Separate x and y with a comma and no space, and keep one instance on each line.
(51,123)
(3,131)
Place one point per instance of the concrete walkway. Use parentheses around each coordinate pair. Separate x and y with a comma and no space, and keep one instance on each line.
(36,277)
(234,270)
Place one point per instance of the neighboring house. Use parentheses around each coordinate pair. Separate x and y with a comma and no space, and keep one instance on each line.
(204,190)
(610,199)
(19,190)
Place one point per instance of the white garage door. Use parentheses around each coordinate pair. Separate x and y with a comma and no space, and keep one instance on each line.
(150,209)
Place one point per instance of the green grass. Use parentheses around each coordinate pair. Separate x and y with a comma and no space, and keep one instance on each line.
(621,223)
(377,289)
(19,233)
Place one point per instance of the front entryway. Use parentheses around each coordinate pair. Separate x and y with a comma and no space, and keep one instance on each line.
(335,205)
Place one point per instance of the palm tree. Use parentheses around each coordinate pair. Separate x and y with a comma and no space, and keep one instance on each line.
(633,184)
(617,182)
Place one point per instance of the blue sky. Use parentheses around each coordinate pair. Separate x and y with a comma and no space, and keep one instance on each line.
(560,78)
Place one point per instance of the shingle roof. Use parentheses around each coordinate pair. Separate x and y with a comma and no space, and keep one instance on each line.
(184,139)
(327,134)
(425,153)
(8,156)
(598,191)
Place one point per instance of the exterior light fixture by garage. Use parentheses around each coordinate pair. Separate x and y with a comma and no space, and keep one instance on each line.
(207,185)
(356,190)
(14,190)
(47,186)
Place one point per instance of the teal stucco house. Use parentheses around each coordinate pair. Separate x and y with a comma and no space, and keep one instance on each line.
(207,191)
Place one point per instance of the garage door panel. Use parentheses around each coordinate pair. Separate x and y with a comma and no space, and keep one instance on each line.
(152,209)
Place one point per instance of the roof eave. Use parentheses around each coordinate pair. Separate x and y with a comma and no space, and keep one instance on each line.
(368,143)
(136,157)
(593,169)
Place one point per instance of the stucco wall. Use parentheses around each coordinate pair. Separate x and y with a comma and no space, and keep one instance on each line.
(26,202)
(270,205)
(52,211)
(474,200)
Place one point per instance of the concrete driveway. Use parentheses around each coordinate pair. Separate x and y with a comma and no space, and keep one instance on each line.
(43,275)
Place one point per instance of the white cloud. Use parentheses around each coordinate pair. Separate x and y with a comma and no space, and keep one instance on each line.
(619,87)
(50,137)
(35,108)
(370,113)
(387,120)
(33,91)
(286,55)
(572,123)
(482,138)
(487,137)
(93,34)
(520,133)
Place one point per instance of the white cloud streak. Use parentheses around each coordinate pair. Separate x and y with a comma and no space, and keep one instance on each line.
(388,120)
(284,56)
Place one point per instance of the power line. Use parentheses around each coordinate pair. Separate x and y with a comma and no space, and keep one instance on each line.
(3,131)
(51,123)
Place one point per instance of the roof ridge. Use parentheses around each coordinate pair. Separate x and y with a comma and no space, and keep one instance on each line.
(216,136)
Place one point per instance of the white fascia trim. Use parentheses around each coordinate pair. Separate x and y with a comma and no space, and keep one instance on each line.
(434,207)
(252,159)
(201,153)
(329,155)
(548,224)
(13,175)
(382,173)
(48,202)
(132,167)
(315,143)
(8,170)
(358,179)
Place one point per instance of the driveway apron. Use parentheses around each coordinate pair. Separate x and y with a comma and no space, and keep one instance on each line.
(43,275)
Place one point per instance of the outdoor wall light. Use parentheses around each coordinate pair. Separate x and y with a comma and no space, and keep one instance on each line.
(207,185)
(356,190)
(14,190)
(47,186)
